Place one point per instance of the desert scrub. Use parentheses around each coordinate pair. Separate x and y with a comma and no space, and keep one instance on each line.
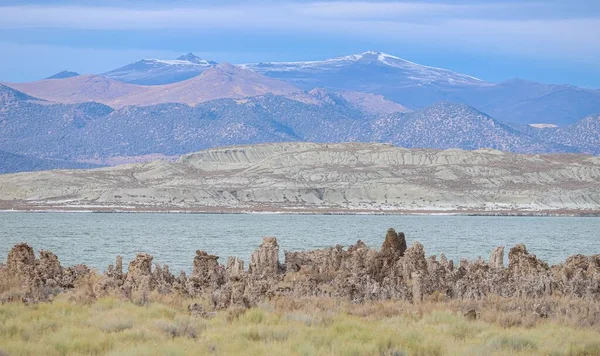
(113,326)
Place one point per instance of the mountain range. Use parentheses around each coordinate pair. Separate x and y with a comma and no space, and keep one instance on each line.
(416,86)
(158,71)
(188,104)
(94,132)
(220,81)
(412,85)
(64,74)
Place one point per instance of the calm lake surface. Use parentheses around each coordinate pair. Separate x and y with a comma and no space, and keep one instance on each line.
(96,239)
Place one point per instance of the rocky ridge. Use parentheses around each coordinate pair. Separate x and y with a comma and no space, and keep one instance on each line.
(323,177)
(356,273)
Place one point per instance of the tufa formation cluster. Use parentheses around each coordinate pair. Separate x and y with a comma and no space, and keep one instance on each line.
(357,273)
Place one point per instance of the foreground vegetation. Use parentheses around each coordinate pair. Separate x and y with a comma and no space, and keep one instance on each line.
(388,302)
(162,325)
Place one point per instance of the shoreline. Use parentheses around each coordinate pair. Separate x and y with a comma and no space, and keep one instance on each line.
(301,211)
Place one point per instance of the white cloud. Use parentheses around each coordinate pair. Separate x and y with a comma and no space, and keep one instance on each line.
(488,26)
(247,15)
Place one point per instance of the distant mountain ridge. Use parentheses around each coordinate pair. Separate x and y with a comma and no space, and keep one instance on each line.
(416,86)
(9,96)
(584,134)
(526,102)
(222,81)
(92,118)
(79,89)
(458,126)
(413,73)
(216,82)
(159,72)
(63,74)
(96,132)
(12,163)
(412,85)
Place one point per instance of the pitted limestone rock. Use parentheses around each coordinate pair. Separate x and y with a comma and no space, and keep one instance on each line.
(264,262)
(414,261)
(529,276)
(21,261)
(49,270)
(520,262)
(235,268)
(207,274)
(73,274)
(394,244)
(163,279)
(417,287)
(437,278)
(139,275)
(41,278)
(579,275)
(316,262)
(445,263)
(497,258)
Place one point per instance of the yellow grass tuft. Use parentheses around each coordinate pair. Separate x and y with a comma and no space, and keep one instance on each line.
(307,326)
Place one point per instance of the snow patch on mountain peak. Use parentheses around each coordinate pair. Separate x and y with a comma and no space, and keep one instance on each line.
(180,62)
(543,126)
(189,59)
(414,72)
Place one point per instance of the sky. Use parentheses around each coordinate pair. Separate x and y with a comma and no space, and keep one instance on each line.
(550,41)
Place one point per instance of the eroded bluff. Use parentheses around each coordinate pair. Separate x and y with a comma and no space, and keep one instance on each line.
(357,273)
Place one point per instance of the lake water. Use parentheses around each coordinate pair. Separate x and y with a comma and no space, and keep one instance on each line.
(96,239)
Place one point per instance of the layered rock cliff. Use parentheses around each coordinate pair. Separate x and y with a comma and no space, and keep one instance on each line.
(322,177)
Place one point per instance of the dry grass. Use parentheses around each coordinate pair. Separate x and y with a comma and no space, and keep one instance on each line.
(113,326)
(11,288)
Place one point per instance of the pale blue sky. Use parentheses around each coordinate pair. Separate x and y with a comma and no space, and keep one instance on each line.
(548,41)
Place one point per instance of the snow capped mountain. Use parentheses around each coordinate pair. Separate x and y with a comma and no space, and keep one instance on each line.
(417,86)
(192,58)
(160,71)
(410,84)
(379,81)
(367,63)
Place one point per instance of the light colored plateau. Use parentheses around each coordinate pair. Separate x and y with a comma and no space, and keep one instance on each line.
(310,177)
